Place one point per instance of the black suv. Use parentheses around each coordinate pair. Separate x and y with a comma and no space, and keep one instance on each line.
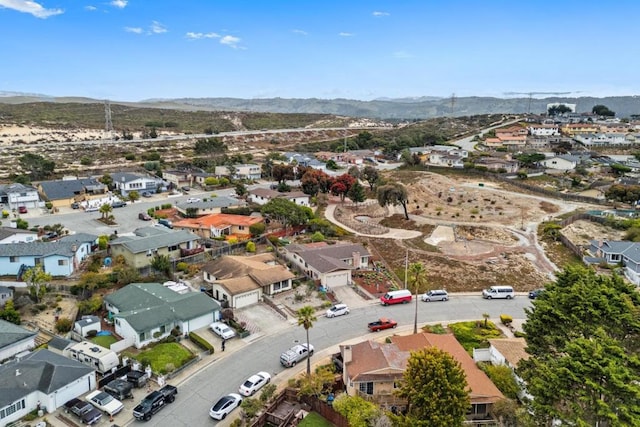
(85,411)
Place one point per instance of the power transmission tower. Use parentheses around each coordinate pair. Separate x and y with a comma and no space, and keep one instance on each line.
(453,102)
(108,124)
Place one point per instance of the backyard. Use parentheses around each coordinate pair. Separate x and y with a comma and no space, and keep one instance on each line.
(163,357)
(313,419)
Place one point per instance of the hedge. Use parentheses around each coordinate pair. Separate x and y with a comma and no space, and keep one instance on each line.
(201,342)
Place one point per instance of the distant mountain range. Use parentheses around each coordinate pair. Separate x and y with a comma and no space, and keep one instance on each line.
(383,108)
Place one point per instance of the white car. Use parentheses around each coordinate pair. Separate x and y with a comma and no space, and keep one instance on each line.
(338,310)
(222,330)
(224,406)
(105,402)
(435,295)
(254,383)
(193,200)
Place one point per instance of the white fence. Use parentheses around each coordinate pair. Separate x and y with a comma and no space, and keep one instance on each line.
(118,346)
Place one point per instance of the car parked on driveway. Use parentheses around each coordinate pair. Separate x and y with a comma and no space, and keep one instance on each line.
(144,216)
(105,402)
(224,406)
(254,383)
(165,222)
(435,295)
(86,412)
(22,209)
(75,205)
(222,330)
(193,200)
(146,194)
(338,310)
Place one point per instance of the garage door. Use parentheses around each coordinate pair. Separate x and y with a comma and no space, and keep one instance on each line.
(337,279)
(246,299)
(201,322)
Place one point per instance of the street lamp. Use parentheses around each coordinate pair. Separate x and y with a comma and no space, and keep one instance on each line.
(415,318)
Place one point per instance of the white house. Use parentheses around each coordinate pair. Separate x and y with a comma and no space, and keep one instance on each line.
(563,162)
(16,195)
(242,171)
(126,182)
(147,312)
(5,295)
(543,130)
(14,340)
(602,139)
(86,324)
(44,378)
(97,357)
(261,196)
(16,235)
(331,265)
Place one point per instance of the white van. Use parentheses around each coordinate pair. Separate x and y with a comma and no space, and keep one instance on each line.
(494,292)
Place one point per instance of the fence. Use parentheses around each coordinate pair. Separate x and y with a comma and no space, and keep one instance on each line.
(113,375)
(119,346)
(326,411)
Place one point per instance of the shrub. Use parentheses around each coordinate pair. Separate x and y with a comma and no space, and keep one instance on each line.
(250,407)
(506,319)
(317,237)
(182,266)
(201,342)
(64,325)
(129,156)
(519,334)
(251,247)
(502,376)
(257,229)
(267,392)
(232,240)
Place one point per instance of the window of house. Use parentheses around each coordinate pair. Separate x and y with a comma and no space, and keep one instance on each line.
(615,257)
(173,248)
(478,409)
(143,336)
(366,387)
(63,262)
(14,259)
(15,407)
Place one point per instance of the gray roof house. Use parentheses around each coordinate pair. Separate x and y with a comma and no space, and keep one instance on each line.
(86,324)
(210,205)
(138,249)
(59,258)
(127,182)
(67,189)
(44,378)
(15,195)
(14,339)
(331,265)
(147,312)
(616,252)
(16,235)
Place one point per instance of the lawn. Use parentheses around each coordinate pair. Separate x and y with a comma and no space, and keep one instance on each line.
(164,357)
(475,334)
(104,340)
(314,420)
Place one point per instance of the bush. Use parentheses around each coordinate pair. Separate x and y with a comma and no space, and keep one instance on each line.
(267,392)
(502,376)
(506,319)
(257,229)
(201,342)
(182,266)
(317,237)
(250,407)
(251,247)
(64,325)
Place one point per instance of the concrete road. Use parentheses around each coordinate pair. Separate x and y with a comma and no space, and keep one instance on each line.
(208,383)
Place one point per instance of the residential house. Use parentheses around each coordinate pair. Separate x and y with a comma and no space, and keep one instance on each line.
(305,160)
(16,195)
(622,253)
(209,205)
(14,340)
(139,249)
(261,196)
(498,164)
(126,182)
(59,258)
(544,130)
(41,378)
(330,265)
(513,130)
(15,235)
(93,355)
(218,225)
(147,312)
(372,371)
(81,239)
(59,345)
(6,294)
(180,177)
(601,139)
(444,159)
(86,324)
(250,171)
(564,162)
(508,351)
(243,280)
(199,178)
(64,192)
(574,129)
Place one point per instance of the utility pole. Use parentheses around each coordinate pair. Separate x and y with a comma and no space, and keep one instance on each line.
(406,268)
(415,316)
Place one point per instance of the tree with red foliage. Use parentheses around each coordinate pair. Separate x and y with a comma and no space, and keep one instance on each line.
(314,181)
(341,185)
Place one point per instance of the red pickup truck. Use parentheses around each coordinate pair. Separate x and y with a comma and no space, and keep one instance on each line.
(382,323)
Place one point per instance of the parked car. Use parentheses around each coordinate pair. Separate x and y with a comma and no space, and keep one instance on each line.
(535,293)
(22,209)
(193,200)
(86,412)
(144,216)
(118,204)
(105,402)
(50,235)
(224,406)
(146,194)
(119,388)
(496,291)
(165,222)
(382,323)
(75,205)
(254,383)
(91,209)
(185,188)
(435,295)
(296,354)
(154,402)
(338,310)
(222,330)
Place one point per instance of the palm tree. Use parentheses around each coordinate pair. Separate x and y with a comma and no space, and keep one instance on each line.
(105,210)
(417,278)
(306,317)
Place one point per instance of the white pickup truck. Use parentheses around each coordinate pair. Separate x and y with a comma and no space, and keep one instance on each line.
(295,354)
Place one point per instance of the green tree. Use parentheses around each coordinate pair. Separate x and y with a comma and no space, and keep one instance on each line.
(251,247)
(530,160)
(502,376)
(319,382)
(317,237)
(554,110)
(134,195)
(211,181)
(257,229)
(435,387)
(36,166)
(241,189)
(286,212)
(602,110)
(37,281)
(394,194)
(357,411)
(583,335)
(306,317)
(64,325)
(9,313)
(332,165)
(354,171)
(107,180)
(105,210)
(356,193)
(370,175)
(162,263)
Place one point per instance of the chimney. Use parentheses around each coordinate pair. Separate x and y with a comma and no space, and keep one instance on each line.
(356,259)
(74,248)
(346,354)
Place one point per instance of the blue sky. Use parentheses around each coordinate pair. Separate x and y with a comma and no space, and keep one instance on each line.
(138,49)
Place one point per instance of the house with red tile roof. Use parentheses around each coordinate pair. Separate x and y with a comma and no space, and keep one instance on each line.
(373,370)
(218,225)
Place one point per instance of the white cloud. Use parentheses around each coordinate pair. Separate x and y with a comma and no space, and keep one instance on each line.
(26,6)
(120,4)
(136,30)
(90,8)
(343,34)
(401,54)
(377,13)
(157,28)
(301,32)
(196,36)
(230,41)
